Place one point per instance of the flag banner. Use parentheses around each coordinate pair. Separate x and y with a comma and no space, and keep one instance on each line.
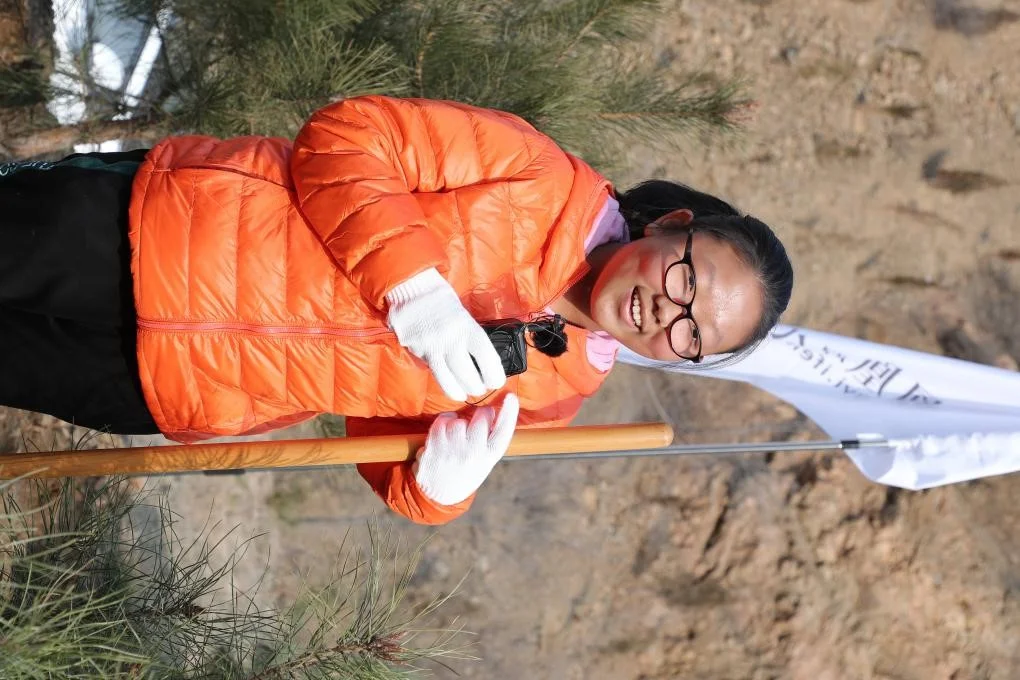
(945,420)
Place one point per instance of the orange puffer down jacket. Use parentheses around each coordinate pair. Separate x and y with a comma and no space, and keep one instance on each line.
(260,269)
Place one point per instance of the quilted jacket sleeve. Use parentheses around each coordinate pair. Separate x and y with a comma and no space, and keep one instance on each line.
(394,483)
(358,163)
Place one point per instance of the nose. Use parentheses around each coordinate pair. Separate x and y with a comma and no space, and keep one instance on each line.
(666,311)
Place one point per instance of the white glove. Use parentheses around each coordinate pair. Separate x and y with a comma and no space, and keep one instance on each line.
(458,455)
(432,324)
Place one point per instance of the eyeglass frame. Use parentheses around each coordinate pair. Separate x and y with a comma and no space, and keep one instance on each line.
(688,311)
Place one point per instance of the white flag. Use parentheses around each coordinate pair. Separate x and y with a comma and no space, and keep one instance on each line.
(946,420)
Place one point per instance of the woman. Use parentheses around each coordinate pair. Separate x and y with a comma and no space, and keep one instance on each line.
(347,273)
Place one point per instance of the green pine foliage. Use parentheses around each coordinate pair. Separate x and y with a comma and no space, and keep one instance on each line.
(95,583)
(22,85)
(573,68)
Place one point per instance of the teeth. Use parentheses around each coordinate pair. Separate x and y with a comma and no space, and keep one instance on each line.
(635,309)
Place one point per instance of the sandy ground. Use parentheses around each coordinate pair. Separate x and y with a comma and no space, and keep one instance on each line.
(886,151)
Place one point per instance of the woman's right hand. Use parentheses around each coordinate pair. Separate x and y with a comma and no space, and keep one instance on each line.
(459,453)
(430,321)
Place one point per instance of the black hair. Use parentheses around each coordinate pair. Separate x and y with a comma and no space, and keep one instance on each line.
(753,240)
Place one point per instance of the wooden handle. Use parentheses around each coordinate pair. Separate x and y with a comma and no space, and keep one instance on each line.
(309,452)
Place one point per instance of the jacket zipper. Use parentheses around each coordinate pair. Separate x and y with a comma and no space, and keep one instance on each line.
(316,331)
(239,327)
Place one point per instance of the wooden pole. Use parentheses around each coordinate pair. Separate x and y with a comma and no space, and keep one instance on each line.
(314,452)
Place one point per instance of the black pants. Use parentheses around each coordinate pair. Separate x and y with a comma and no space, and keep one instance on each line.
(67,320)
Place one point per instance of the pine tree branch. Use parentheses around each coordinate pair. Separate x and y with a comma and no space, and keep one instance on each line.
(641,116)
(386,648)
(419,61)
(595,17)
(631,115)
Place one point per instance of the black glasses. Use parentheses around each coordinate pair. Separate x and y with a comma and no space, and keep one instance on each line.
(679,285)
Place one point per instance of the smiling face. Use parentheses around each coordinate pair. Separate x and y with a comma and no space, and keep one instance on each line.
(629,303)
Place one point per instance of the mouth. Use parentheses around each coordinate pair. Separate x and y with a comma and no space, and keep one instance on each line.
(635,309)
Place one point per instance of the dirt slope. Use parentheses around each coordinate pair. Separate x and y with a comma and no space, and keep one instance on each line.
(885,151)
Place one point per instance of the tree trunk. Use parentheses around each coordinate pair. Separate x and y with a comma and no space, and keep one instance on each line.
(59,139)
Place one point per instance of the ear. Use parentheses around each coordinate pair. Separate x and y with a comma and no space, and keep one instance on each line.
(674,220)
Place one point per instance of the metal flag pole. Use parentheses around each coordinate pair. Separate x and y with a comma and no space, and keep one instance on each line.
(725,449)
